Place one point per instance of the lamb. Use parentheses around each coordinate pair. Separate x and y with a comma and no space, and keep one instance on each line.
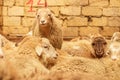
(114,48)
(94,47)
(46,25)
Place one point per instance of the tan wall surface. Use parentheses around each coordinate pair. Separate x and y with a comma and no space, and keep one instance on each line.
(78,17)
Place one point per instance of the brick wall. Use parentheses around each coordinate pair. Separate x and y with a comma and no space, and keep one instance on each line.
(78,17)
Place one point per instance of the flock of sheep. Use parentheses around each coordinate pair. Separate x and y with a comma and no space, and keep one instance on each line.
(43,55)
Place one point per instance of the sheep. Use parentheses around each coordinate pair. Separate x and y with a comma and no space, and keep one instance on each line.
(8,71)
(114,48)
(104,67)
(42,46)
(70,76)
(33,55)
(46,25)
(92,47)
(81,48)
(78,64)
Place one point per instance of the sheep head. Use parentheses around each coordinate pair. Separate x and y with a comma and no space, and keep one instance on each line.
(47,52)
(44,20)
(99,45)
(116,37)
(114,48)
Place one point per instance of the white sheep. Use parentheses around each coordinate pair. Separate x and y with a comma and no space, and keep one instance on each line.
(114,47)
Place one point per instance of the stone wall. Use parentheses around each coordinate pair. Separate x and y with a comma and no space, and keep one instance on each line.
(1,22)
(78,17)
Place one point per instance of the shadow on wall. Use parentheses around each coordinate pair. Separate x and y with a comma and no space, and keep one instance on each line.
(1,15)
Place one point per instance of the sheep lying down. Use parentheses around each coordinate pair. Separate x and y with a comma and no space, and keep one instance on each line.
(94,47)
(34,55)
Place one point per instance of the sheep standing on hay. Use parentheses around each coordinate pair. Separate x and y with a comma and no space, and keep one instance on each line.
(46,25)
(114,48)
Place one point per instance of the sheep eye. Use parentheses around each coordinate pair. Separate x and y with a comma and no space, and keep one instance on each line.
(38,16)
(104,43)
(93,44)
(49,14)
(45,46)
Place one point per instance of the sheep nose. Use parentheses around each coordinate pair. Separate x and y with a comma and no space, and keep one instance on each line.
(42,21)
(1,56)
(114,58)
(55,57)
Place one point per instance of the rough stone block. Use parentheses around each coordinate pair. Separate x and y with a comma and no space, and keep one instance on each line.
(55,10)
(76,2)
(5,11)
(27,21)
(111,11)
(56,2)
(101,3)
(70,32)
(20,2)
(5,30)
(16,11)
(77,21)
(108,31)
(19,30)
(84,31)
(91,11)
(71,10)
(98,21)
(11,21)
(9,2)
(114,21)
(115,3)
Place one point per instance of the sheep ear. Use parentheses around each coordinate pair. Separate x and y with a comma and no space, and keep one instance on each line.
(38,50)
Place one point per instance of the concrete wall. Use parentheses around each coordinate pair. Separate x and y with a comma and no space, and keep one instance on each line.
(79,17)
